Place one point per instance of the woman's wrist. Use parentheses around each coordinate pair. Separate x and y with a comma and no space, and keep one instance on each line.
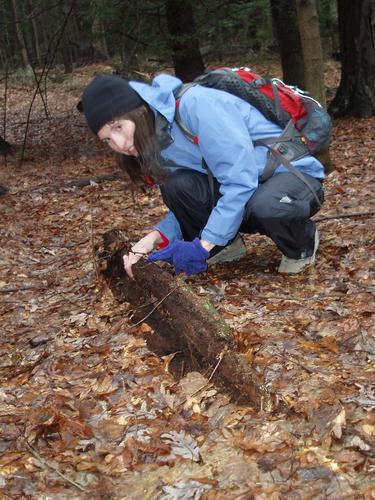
(155,237)
(207,245)
(147,244)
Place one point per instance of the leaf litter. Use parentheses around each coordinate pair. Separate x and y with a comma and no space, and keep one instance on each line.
(87,411)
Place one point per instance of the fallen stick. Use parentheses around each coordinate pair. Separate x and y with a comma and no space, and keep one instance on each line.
(45,464)
(343,216)
(182,322)
(90,180)
(11,289)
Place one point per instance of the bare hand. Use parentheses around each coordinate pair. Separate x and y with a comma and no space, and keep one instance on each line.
(129,260)
(143,247)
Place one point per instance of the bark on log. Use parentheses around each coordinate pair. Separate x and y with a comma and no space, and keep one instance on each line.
(182,322)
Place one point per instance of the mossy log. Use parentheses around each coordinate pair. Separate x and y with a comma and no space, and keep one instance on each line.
(182,322)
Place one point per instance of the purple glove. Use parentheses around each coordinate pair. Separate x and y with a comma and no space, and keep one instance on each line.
(186,256)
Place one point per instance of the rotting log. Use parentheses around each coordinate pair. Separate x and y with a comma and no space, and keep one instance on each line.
(182,322)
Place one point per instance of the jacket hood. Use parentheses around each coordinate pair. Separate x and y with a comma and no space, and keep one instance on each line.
(159,95)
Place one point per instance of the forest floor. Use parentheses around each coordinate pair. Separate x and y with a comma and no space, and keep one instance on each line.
(87,411)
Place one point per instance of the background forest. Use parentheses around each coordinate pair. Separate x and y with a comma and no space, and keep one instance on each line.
(88,410)
(141,37)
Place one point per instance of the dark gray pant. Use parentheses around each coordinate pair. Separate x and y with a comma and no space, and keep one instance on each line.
(280,208)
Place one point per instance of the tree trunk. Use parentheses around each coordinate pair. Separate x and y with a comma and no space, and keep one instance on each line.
(313,62)
(356,93)
(183,41)
(219,41)
(75,38)
(182,323)
(34,32)
(65,44)
(327,12)
(285,24)
(5,147)
(98,35)
(19,34)
(130,50)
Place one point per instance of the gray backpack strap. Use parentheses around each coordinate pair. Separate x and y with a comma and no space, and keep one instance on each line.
(283,150)
(177,117)
(289,144)
(287,164)
(276,98)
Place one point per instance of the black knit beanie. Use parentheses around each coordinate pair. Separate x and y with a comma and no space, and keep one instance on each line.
(107,97)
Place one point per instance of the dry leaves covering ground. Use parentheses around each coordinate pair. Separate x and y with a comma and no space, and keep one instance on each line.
(87,411)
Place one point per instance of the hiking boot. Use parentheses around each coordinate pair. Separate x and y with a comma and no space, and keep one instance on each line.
(294,266)
(235,251)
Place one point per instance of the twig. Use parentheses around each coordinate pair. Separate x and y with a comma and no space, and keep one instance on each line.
(132,312)
(342,216)
(44,73)
(24,368)
(5,108)
(220,359)
(155,307)
(272,297)
(204,386)
(292,359)
(298,300)
(91,235)
(369,289)
(35,453)
(304,367)
(64,297)
(71,184)
(67,245)
(89,180)
(21,288)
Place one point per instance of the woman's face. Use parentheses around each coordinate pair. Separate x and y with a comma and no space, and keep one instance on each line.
(119,135)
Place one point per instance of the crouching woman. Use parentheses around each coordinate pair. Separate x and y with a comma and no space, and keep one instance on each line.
(212,185)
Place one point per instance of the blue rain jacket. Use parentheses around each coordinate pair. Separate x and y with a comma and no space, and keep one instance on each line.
(226,126)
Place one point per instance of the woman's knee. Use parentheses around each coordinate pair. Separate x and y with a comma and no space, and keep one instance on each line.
(286,197)
(282,208)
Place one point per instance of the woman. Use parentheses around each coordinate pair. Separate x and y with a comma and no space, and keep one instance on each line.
(205,218)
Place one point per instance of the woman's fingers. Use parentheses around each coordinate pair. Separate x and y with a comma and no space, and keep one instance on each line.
(143,247)
(129,260)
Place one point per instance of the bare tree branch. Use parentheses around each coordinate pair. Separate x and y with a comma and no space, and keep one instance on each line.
(46,70)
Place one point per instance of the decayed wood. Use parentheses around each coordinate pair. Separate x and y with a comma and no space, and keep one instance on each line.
(182,322)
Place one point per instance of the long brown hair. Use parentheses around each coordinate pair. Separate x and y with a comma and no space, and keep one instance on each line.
(148,163)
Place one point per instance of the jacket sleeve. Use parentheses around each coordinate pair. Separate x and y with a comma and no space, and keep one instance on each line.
(169,227)
(221,122)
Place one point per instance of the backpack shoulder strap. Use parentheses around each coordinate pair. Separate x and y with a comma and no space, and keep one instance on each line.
(289,166)
(284,149)
(178,93)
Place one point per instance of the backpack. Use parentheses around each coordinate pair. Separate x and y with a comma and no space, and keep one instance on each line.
(307,125)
